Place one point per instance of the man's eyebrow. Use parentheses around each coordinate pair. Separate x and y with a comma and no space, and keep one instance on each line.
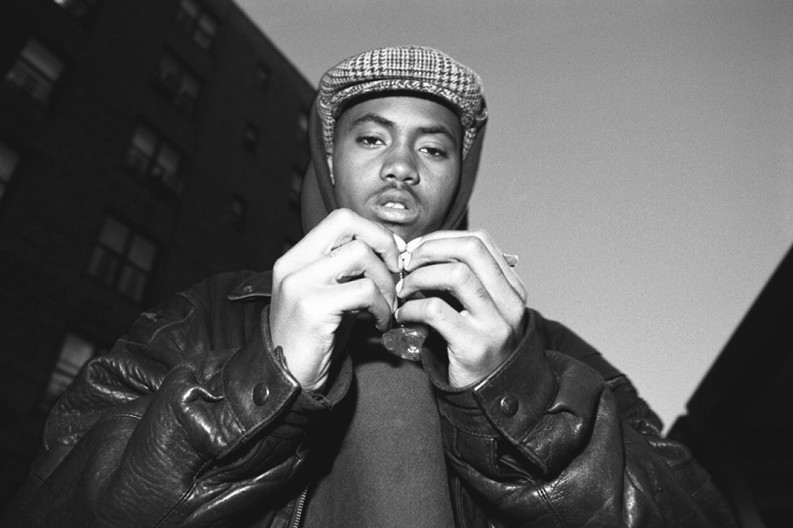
(426,130)
(372,118)
(439,129)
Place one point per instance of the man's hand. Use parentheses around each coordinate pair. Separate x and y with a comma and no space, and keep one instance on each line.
(344,264)
(470,267)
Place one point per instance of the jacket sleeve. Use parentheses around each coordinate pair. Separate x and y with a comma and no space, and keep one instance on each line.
(181,423)
(560,438)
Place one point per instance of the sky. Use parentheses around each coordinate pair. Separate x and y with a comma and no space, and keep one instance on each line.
(638,157)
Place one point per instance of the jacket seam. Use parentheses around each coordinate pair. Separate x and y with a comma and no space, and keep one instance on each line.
(237,422)
(183,498)
(119,416)
(549,505)
(177,321)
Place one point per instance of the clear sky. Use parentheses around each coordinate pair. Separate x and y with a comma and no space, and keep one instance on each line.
(639,156)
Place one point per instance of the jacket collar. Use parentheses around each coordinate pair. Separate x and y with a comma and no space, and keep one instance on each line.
(256,285)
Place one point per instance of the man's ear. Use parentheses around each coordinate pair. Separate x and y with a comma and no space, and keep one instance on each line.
(329,159)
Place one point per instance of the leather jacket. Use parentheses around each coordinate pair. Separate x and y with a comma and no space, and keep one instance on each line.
(192,419)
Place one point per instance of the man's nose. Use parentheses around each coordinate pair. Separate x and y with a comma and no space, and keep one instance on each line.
(400,164)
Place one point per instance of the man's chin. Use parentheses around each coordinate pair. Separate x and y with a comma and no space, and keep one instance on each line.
(405,232)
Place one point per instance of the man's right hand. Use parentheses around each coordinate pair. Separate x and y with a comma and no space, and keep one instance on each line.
(345,264)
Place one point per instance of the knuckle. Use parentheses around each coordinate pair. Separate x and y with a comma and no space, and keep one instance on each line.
(366,287)
(289,283)
(435,308)
(342,215)
(279,268)
(459,273)
(480,291)
(481,235)
(358,249)
(474,245)
(371,288)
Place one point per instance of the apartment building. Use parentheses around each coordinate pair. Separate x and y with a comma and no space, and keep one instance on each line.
(144,144)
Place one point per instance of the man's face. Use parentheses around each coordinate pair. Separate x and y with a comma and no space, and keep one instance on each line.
(396,161)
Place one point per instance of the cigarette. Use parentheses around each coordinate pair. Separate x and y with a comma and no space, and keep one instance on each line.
(512,260)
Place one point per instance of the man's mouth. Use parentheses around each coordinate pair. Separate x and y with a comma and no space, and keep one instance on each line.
(396,207)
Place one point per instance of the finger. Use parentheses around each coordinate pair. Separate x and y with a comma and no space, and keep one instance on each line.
(356,260)
(436,313)
(498,279)
(360,294)
(455,278)
(462,244)
(340,227)
(348,263)
(318,299)
(467,337)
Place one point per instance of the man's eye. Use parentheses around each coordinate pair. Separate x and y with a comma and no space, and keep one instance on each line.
(370,141)
(434,152)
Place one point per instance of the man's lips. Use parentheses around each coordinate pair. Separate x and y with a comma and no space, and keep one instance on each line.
(395,206)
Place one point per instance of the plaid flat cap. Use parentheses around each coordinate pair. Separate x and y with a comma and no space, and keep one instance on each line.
(404,68)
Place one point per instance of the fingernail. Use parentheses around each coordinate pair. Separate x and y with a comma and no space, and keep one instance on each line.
(400,243)
(399,285)
(405,259)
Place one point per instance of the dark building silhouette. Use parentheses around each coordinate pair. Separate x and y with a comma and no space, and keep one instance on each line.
(144,144)
(739,422)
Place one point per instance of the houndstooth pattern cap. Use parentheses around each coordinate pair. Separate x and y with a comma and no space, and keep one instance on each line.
(403,68)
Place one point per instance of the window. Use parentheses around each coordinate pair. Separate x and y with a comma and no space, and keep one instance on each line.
(153,158)
(196,22)
(122,259)
(35,71)
(8,163)
(75,352)
(77,8)
(238,212)
(177,85)
(251,138)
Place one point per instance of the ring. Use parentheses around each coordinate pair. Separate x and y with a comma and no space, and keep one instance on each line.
(512,260)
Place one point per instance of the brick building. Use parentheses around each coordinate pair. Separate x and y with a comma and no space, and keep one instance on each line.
(144,144)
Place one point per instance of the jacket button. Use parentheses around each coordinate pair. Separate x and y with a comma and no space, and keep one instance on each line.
(509,405)
(247,289)
(261,393)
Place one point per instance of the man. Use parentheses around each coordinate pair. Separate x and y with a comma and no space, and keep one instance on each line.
(258,399)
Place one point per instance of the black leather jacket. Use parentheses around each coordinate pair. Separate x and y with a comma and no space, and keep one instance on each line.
(193,420)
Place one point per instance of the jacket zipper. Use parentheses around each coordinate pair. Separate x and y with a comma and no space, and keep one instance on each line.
(297,516)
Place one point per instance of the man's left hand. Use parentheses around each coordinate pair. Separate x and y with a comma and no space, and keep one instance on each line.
(469,266)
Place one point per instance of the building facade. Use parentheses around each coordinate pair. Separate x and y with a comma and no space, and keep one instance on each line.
(144,144)
(739,421)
